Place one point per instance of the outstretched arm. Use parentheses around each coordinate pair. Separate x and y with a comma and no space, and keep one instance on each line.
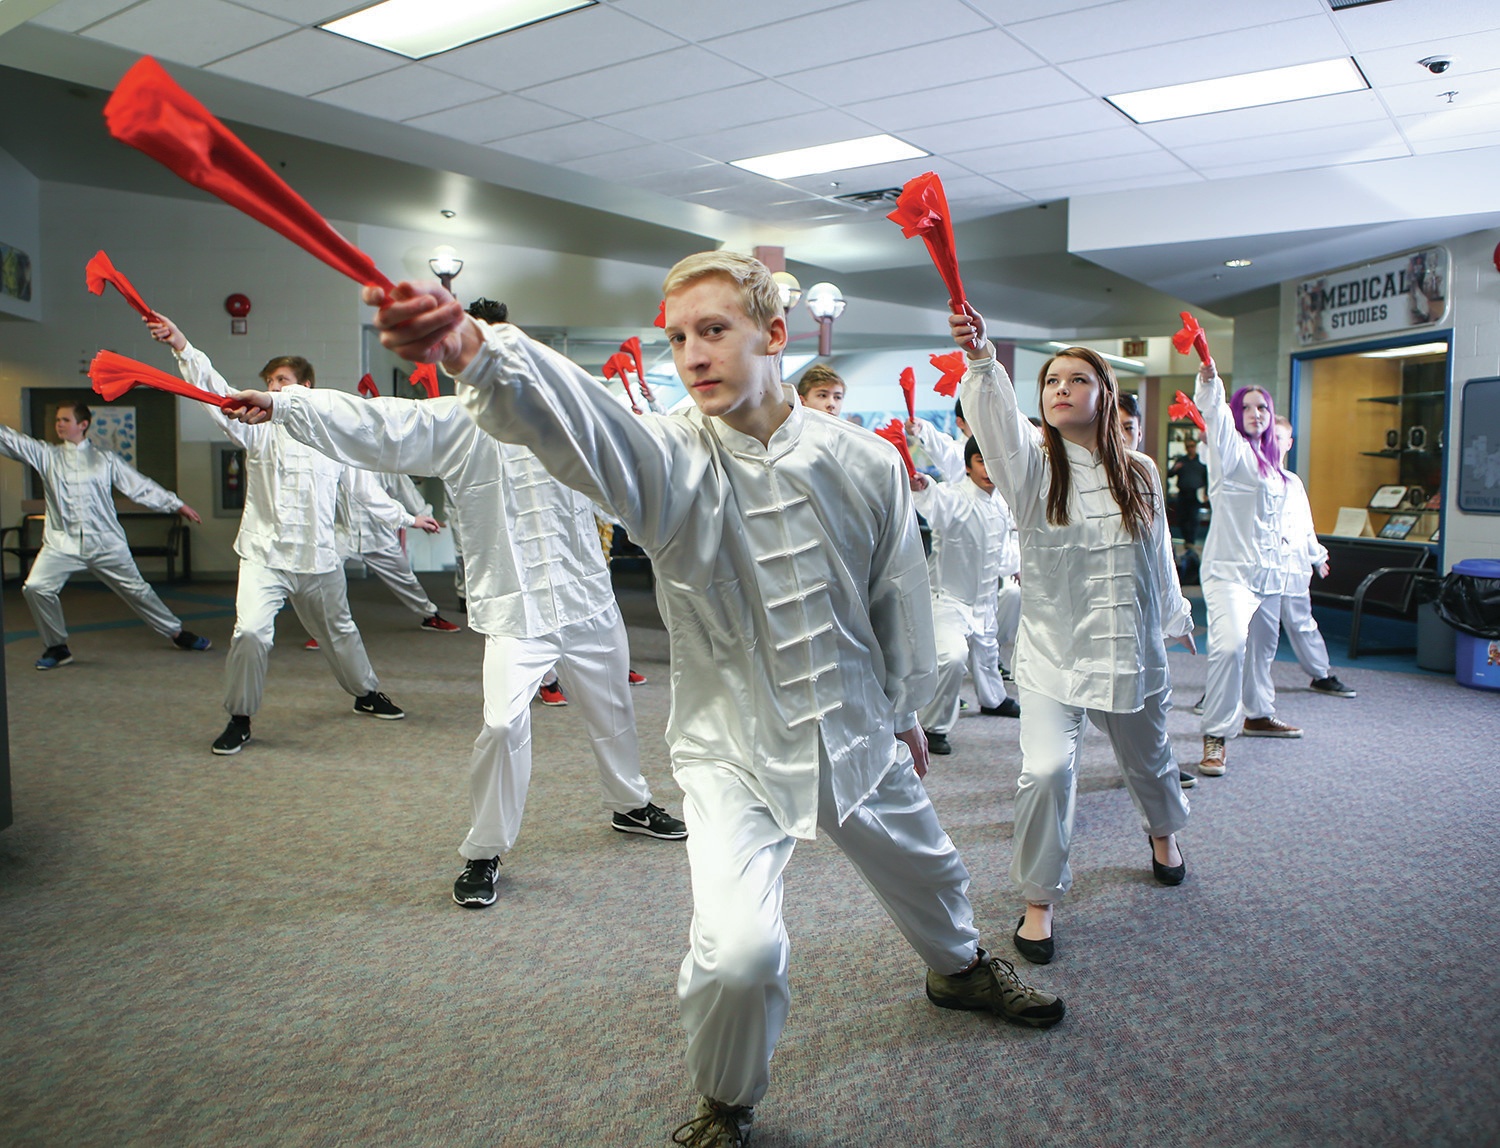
(23,448)
(138,488)
(194,366)
(1011,446)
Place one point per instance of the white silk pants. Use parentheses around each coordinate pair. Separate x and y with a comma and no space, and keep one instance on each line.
(733,980)
(393,567)
(1046,795)
(322,605)
(959,647)
(117,570)
(1303,633)
(1008,619)
(593,664)
(1238,688)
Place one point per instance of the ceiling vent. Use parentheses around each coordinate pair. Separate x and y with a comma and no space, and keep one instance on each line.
(1340,5)
(865,200)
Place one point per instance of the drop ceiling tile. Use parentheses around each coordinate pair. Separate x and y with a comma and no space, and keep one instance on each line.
(1391,25)
(861,29)
(806,211)
(1253,123)
(779,135)
(489,120)
(713,111)
(698,21)
(1014,11)
(1037,153)
(406,93)
(1254,49)
(1451,123)
(1084,172)
(1333,144)
(567,45)
(968,210)
(631,163)
(690,181)
(992,95)
(568,142)
(1018,127)
(188,31)
(748,198)
(1396,150)
(75,15)
(1129,24)
(304,11)
(911,69)
(307,61)
(1109,186)
(876,176)
(673,75)
(1430,96)
(1472,56)
(1455,143)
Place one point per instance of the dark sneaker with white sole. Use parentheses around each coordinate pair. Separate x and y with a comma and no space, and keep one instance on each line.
(376,704)
(651,820)
(234,737)
(54,656)
(187,640)
(1331,685)
(716,1125)
(475,887)
(993,986)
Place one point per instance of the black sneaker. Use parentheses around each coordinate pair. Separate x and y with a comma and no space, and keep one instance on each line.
(475,887)
(234,737)
(1331,685)
(1008,708)
(651,820)
(1186,780)
(187,640)
(993,986)
(1198,705)
(376,704)
(54,656)
(938,743)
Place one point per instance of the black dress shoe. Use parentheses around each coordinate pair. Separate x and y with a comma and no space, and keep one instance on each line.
(1037,952)
(1008,708)
(937,743)
(1167,874)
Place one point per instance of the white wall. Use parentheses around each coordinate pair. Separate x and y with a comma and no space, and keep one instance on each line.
(1474,316)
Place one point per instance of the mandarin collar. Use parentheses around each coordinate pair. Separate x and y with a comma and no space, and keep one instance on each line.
(783,438)
(1080,454)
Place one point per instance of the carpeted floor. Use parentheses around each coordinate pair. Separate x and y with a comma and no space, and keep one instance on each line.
(262,950)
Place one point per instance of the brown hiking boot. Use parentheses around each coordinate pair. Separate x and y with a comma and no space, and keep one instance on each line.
(993,986)
(1212,764)
(716,1125)
(1269,727)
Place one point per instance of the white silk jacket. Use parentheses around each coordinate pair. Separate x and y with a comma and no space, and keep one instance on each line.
(1303,551)
(1244,542)
(290,489)
(790,576)
(1096,603)
(973,547)
(78,483)
(945,451)
(361,532)
(532,561)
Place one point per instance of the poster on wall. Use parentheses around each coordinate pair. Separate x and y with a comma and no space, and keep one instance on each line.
(1479,454)
(15,273)
(113,428)
(1397,294)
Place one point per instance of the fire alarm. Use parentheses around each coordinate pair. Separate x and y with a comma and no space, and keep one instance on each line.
(238,307)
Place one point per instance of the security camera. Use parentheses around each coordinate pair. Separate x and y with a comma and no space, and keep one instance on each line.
(1437,65)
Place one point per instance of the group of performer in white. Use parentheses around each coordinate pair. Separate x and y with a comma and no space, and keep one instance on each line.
(817,658)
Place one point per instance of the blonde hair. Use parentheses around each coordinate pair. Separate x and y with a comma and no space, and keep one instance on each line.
(759,294)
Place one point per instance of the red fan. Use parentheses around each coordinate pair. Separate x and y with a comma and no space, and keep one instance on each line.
(101,271)
(953,367)
(114,374)
(1184,408)
(149,111)
(632,347)
(1191,336)
(368,388)
(661,315)
(922,209)
(425,376)
(618,366)
(909,389)
(895,434)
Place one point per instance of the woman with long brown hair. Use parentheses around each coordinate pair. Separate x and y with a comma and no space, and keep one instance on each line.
(1098,594)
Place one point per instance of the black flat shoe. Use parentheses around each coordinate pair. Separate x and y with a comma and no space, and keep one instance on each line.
(1168,874)
(1037,952)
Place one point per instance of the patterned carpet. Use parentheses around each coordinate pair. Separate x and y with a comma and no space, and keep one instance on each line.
(261,950)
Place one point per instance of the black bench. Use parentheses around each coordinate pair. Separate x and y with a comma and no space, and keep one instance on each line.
(150,535)
(1376,575)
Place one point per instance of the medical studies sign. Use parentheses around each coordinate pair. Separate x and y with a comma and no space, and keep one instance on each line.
(1393,295)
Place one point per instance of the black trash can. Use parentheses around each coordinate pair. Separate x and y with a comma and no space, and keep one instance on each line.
(1470,602)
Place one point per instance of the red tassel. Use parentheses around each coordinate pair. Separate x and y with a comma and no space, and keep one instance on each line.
(1184,408)
(909,389)
(1191,337)
(368,388)
(617,366)
(952,365)
(922,209)
(101,271)
(661,315)
(114,374)
(425,375)
(895,434)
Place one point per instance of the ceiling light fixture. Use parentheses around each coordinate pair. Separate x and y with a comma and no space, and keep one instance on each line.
(1238,262)
(421,28)
(1248,90)
(839,156)
(1407,352)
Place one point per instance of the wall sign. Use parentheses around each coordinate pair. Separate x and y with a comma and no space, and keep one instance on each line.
(1479,448)
(1376,299)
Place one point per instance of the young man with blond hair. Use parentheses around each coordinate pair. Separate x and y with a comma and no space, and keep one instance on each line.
(794,589)
(822,389)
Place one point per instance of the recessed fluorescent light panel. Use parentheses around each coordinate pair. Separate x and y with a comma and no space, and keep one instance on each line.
(830,157)
(421,28)
(1407,352)
(1250,90)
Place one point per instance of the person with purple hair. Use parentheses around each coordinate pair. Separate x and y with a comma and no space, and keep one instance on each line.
(1243,570)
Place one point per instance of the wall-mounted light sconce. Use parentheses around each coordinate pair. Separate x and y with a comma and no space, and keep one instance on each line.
(791,290)
(825,303)
(446,265)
